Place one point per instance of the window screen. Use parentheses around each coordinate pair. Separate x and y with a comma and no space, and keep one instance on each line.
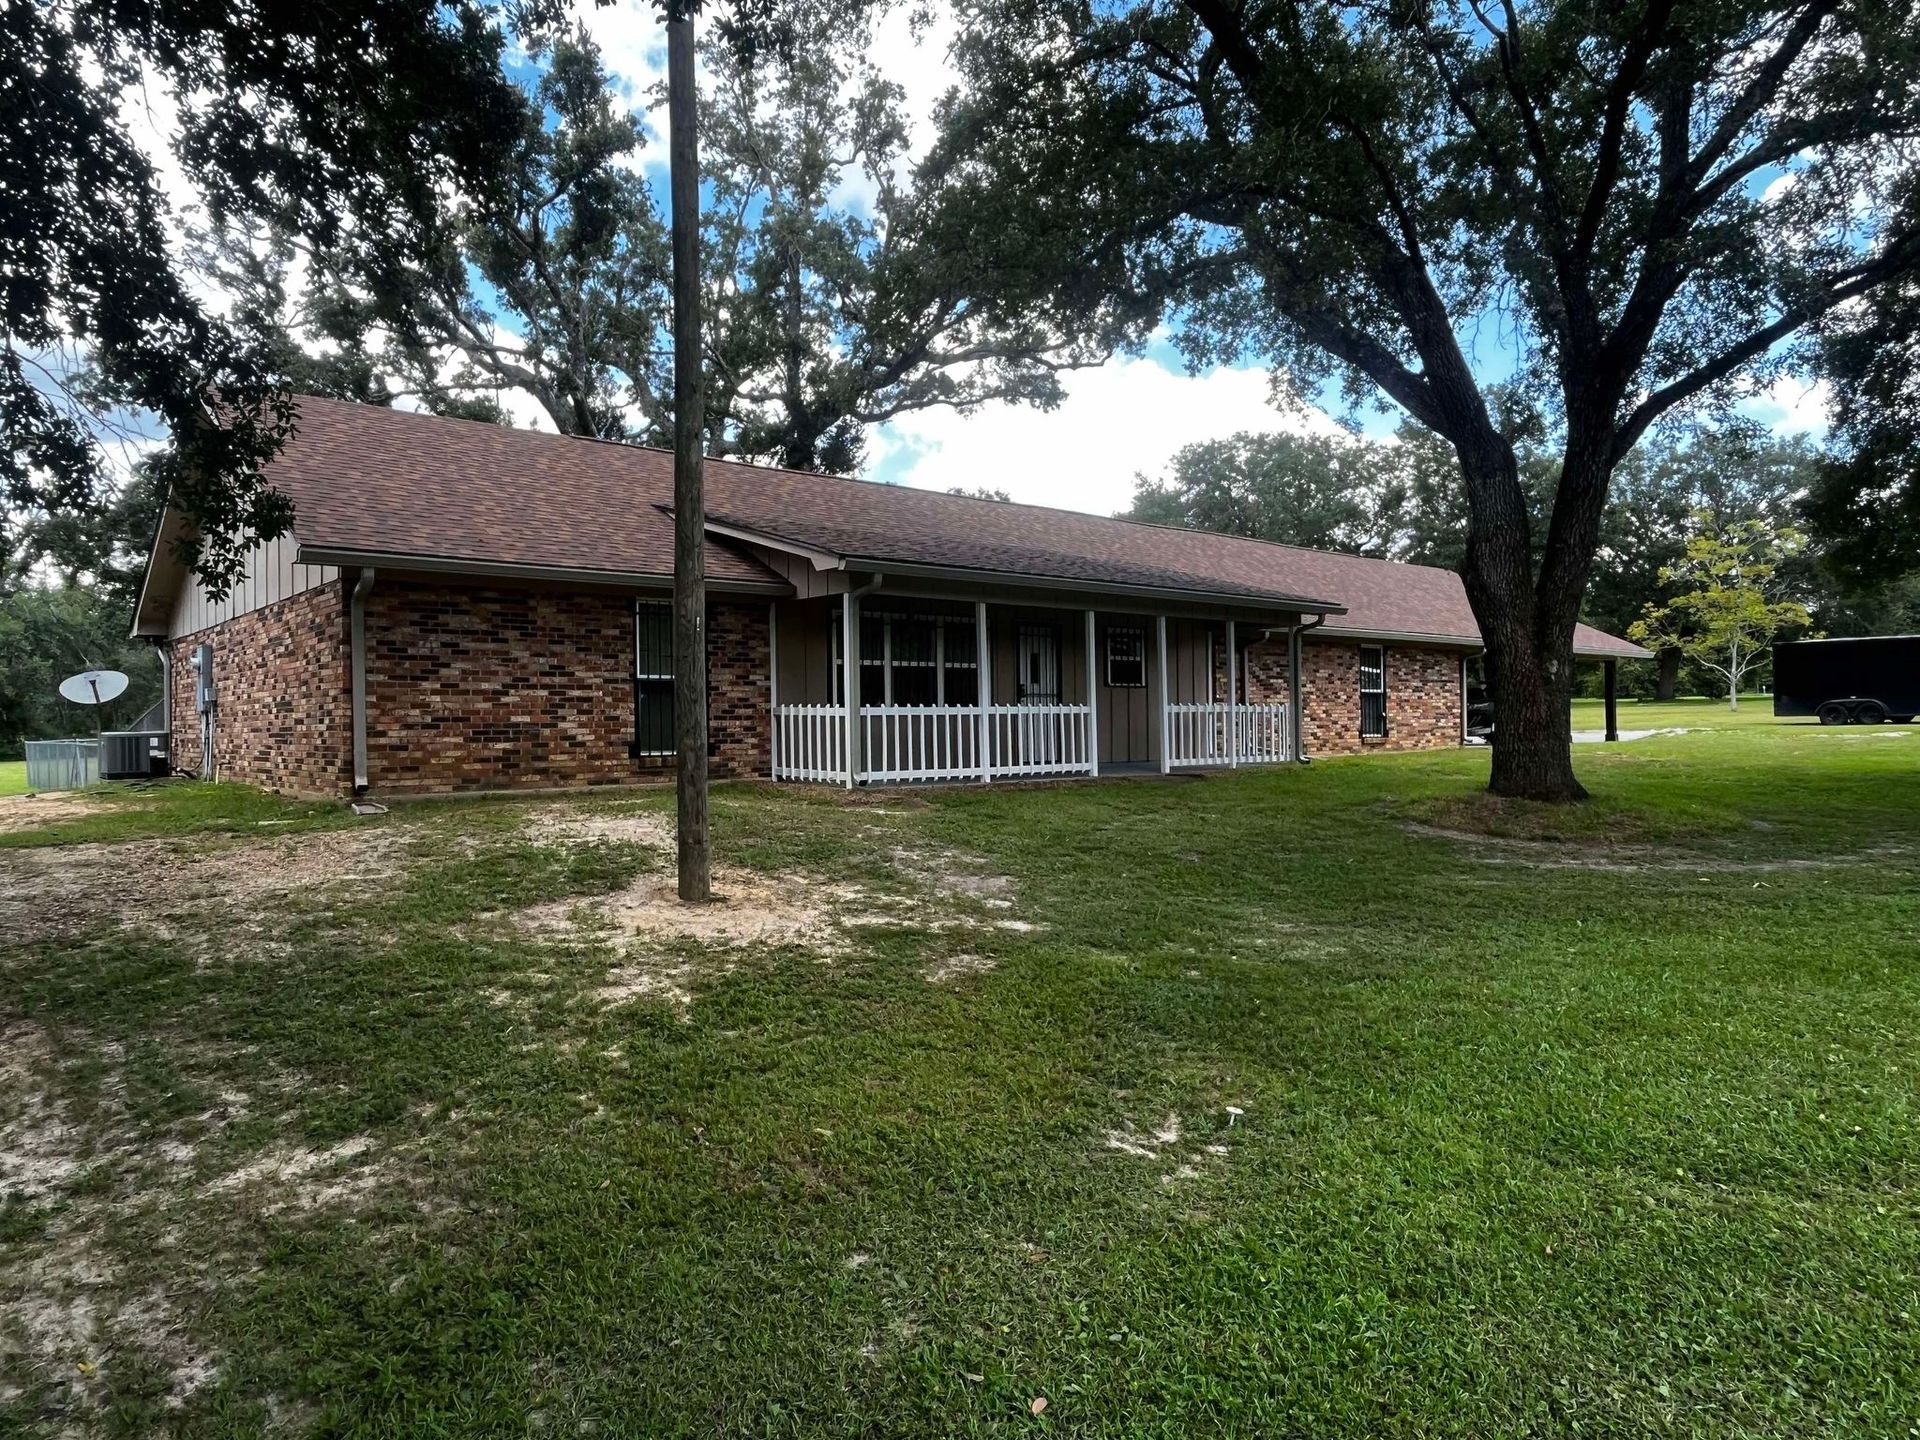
(1126,657)
(1039,656)
(915,659)
(959,663)
(652,678)
(1373,690)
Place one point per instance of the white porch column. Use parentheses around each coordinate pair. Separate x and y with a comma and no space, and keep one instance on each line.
(1166,736)
(773,689)
(1233,702)
(983,662)
(850,679)
(1093,699)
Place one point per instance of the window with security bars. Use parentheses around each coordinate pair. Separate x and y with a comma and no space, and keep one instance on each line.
(1126,657)
(652,678)
(914,659)
(1373,691)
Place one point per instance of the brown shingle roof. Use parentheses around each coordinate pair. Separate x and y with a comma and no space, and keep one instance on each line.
(375,481)
(368,480)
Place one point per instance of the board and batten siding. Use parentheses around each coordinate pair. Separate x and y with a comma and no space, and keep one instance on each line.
(271,574)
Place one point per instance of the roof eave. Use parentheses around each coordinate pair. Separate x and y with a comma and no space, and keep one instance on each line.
(511,570)
(160,556)
(1294,603)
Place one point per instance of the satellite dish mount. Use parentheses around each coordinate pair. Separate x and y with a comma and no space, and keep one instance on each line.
(93,687)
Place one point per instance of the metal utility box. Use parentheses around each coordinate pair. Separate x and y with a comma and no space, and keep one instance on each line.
(1848,682)
(133,754)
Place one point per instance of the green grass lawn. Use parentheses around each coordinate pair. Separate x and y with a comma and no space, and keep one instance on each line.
(1328,1101)
(13,777)
(1696,712)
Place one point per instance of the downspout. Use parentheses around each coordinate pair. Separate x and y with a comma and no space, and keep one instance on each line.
(163,648)
(357,644)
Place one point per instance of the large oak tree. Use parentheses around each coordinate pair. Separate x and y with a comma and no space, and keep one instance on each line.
(824,314)
(1648,201)
(356,118)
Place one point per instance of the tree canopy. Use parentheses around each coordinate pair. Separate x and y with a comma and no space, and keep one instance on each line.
(1650,202)
(826,312)
(1731,598)
(356,118)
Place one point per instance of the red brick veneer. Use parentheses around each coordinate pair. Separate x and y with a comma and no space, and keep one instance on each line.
(485,688)
(1423,694)
(281,687)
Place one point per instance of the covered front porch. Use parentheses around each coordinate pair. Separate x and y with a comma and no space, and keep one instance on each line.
(960,688)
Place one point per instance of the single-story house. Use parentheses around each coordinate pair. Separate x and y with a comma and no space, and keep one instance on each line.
(461,606)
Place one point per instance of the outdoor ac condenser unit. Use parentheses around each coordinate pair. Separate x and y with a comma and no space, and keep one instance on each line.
(133,754)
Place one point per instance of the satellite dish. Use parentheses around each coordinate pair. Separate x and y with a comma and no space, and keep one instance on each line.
(93,687)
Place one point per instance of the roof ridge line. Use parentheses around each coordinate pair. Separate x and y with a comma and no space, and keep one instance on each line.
(892,485)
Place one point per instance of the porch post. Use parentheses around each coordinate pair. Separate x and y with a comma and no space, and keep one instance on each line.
(1612,670)
(983,659)
(1093,701)
(1166,739)
(850,679)
(1233,703)
(773,689)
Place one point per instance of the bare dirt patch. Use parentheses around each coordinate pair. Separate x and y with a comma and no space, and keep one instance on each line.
(31,812)
(944,890)
(950,968)
(748,908)
(39,1143)
(80,1301)
(200,888)
(571,825)
(949,873)
(303,1178)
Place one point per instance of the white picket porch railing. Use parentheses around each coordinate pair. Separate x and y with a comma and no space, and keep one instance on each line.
(920,742)
(810,743)
(931,742)
(942,742)
(1265,736)
(1040,739)
(1210,734)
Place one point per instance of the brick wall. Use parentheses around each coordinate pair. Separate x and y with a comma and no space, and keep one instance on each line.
(1423,694)
(497,688)
(281,687)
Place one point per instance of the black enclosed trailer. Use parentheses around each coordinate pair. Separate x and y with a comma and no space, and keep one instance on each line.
(1847,682)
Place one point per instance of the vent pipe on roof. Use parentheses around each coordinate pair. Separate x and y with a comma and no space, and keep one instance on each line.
(357,643)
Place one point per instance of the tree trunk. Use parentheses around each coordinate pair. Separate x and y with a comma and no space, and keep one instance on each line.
(1526,625)
(689,498)
(1669,680)
(1533,726)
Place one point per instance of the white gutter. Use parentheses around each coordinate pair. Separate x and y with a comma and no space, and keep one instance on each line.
(357,640)
(443,565)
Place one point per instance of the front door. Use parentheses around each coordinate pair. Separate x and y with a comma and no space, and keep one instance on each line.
(1039,653)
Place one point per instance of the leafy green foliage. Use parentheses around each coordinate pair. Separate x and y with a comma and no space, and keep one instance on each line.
(1729,605)
(1866,508)
(356,118)
(50,632)
(825,309)
(1352,190)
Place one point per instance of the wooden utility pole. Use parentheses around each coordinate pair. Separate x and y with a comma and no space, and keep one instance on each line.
(689,497)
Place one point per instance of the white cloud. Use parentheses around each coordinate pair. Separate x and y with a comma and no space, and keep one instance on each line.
(1129,415)
(633,48)
(1793,405)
